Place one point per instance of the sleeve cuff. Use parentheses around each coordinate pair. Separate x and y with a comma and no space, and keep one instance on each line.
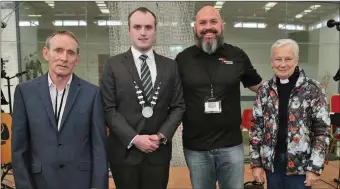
(130,144)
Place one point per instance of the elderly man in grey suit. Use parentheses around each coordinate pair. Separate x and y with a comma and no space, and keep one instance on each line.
(59,135)
(143,99)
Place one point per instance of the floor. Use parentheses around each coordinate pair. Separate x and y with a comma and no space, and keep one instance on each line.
(179,177)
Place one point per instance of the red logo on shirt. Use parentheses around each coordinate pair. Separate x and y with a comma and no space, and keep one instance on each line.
(223,60)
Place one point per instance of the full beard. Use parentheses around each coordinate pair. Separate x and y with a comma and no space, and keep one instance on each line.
(209,47)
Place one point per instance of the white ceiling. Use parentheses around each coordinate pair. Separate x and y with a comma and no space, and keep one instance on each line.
(283,12)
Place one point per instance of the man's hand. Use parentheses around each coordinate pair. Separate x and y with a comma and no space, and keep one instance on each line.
(143,143)
(258,174)
(311,178)
(154,138)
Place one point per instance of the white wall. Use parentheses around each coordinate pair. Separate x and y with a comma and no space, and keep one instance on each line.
(9,53)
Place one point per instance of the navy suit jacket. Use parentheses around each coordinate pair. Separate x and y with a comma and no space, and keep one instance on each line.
(73,157)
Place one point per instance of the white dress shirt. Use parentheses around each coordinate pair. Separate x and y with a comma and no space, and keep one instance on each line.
(54,92)
(150,61)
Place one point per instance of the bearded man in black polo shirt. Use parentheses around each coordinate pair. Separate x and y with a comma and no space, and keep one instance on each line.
(211,73)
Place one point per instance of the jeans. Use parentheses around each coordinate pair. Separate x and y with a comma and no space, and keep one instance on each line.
(225,165)
(279,179)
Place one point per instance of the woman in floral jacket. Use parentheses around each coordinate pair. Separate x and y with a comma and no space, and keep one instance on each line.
(290,131)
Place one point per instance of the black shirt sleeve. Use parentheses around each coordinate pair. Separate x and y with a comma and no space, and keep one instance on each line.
(250,76)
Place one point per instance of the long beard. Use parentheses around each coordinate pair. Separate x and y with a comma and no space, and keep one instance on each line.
(209,47)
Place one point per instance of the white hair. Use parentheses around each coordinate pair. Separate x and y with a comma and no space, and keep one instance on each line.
(284,42)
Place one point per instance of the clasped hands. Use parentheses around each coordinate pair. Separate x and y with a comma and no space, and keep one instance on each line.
(147,143)
(311,178)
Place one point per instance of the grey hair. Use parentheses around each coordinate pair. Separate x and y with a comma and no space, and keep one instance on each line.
(62,32)
(285,42)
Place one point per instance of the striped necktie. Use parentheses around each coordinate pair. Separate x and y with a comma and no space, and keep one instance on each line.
(146,78)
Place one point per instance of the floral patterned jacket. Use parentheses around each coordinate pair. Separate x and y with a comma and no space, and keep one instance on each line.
(308,135)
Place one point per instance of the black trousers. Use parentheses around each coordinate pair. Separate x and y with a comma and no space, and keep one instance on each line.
(142,176)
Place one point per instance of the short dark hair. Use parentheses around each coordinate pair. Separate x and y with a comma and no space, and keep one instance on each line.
(144,10)
(62,32)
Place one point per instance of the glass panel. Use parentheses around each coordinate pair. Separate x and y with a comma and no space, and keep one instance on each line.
(101,28)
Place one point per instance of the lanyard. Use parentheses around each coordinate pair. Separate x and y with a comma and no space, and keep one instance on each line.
(56,103)
(212,82)
(212,77)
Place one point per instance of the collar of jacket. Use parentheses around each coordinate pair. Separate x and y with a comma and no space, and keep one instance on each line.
(300,81)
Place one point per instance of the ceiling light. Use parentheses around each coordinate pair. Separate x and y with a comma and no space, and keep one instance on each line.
(101,23)
(318,25)
(270,4)
(218,6)
(114,23)
(70,23)
(219,3)
(82,23)
(299,27)
(314,7)
(34,15)
(105,11)
(34,23)
(238,25)
(290,27)
(101,4)
(58,23)
(299,16)
(24,23)
(261,25)
(50,3)
(250,25)
(307,10)
(282,26)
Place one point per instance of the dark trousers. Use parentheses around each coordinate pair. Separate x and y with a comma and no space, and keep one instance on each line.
(279,180)
(142,176)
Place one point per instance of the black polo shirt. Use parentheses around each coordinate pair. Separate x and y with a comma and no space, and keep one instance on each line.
(231,64)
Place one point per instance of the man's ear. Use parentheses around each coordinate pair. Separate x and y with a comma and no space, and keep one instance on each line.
(45,53)
(76,62)
(195,27)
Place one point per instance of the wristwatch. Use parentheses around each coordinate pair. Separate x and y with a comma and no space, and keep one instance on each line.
(162,138)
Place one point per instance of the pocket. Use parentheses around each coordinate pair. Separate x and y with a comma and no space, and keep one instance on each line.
(85,166)
(35,168)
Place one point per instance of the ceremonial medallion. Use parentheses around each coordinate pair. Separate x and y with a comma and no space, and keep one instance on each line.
(147,111)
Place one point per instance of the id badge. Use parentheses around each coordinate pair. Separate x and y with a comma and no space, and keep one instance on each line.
(212,106)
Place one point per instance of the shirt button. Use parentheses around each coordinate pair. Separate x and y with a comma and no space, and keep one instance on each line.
(61,165)
(60,145)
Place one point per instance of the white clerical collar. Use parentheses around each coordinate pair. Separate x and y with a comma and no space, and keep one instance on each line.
(284,81)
